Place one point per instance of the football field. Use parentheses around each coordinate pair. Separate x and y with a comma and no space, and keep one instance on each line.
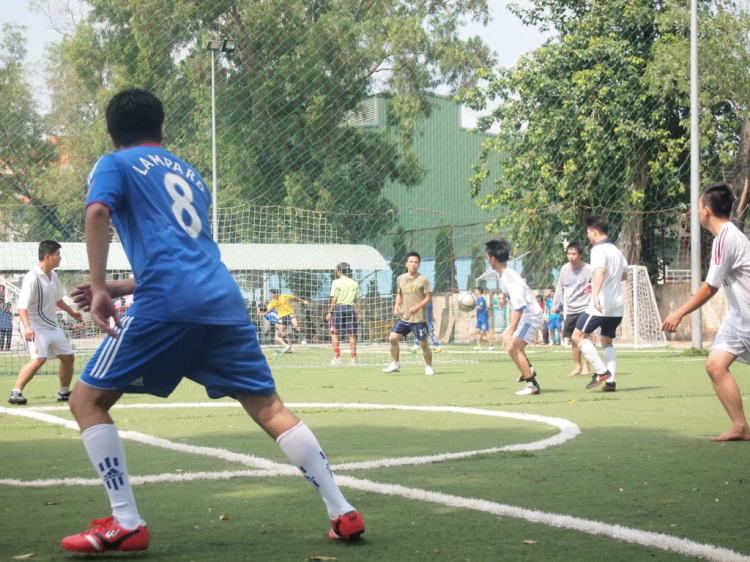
(449,467)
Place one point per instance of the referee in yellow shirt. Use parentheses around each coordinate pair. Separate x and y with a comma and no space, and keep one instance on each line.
(342,315)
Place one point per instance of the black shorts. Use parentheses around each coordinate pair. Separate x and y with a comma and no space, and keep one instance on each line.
(569,325)
(589,323)
(287,320)
(344,320)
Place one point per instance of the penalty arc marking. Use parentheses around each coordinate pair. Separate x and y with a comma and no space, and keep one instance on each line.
(267,468)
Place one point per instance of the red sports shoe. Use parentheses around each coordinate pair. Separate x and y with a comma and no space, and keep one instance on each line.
(106,535)
(347,527)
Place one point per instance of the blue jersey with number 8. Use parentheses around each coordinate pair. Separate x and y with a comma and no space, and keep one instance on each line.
(159,206)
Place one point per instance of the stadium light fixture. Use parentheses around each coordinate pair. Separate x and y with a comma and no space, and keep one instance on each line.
(215,46)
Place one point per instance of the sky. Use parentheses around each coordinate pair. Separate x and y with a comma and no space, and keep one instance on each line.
(505,35)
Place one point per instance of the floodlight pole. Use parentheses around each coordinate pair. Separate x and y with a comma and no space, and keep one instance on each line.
(696,321)
(214,203)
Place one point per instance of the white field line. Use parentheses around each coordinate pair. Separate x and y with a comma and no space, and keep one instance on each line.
(636,536)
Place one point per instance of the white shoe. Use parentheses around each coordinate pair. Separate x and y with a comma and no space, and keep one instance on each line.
(336,361)
(287,349)
(428,370)
(491,348)
(393,368)
(550,344)
(355,361)
(477,348)
(529,389)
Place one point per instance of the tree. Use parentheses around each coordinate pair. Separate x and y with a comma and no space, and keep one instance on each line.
(445,260)
(398,262)
(478,266)
(597,119)
(284,97)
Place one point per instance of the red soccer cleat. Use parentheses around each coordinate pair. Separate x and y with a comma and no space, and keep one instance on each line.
(347,527)
(106,535)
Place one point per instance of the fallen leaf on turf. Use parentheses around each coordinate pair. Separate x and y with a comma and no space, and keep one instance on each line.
(323,558)
(23,557)
(529,541)
(622,489)
(223,517)
(571,401)
(52,503)
(209,510)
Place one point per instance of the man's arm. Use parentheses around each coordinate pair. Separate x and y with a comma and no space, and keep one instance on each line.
(74,313)
(701,297)
(598,280)
(359,309)
(28,331)
(558,292)
(97,248)
(121,288)
(303,301)
(332,306)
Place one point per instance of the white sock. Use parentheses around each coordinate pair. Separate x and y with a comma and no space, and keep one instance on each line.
(64,389)
(303,449)
(610,358)
(104,446)
(589,352)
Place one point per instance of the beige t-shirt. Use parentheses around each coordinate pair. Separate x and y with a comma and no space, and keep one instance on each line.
(413,291)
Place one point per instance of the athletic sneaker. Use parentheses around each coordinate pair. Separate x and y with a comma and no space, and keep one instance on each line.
(336,361)
(355,361)
(478,348)
(596,380)
(16,397)
(428,370)
(530,388)
(106,535)
(347,527)
(63,396)
(437,349)
(491,348)
(393,368)
(609,387)
(287,349)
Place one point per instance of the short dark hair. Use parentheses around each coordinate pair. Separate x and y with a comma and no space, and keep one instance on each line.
(719,198)
(480,289)
(498,249)
(413,255)
(598,222)
(274,291)
(539,298)
(133,116)
(47,247)
(344,268)
(575,246)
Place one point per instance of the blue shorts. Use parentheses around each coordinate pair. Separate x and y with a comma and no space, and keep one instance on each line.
(344,320)
(419,329)
(589,323)
(483,325)
(555,323)
(152,357)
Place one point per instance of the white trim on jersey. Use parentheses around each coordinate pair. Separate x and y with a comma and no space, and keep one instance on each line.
(730,268)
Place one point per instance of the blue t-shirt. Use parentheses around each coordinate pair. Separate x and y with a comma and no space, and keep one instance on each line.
(482,315)
(159,206)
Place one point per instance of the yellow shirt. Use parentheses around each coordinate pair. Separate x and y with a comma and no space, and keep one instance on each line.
(282,306)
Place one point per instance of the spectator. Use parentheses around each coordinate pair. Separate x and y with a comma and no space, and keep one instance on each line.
(6,327)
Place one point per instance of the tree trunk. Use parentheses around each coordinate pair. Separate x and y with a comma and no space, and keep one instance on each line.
(630,240)
(742,177)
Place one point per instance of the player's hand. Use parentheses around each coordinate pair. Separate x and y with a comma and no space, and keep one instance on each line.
(507,339)
(671,322)
(359,317)
(587,289)
(597,304)
(77,315)
(328,316)
(82,296)
(413,310)
(396,310)
(102,309)
(29,334)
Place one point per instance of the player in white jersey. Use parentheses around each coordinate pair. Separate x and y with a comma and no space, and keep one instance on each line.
(526,318)
(608,269)
(41,294)
(730,267)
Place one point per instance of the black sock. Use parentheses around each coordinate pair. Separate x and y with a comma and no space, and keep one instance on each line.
(532,380)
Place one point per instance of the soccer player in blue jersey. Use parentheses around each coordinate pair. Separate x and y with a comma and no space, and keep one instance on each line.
(188,320)
(482,314)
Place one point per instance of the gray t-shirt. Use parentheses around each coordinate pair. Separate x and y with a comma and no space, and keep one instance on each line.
(570,287)
(413,291)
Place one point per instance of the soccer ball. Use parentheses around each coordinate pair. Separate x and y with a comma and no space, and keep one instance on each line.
(466,302)
(303,342)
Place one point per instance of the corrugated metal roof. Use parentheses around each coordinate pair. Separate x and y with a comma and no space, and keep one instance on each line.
(20,256)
